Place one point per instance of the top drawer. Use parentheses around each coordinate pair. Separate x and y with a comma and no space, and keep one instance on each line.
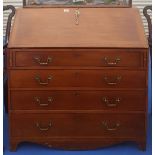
(77,58)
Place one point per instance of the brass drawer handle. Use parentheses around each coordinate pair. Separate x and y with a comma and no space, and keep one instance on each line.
(115,62)
(114,81)
(37,99)
(111,103)
(38,79)
(44,128)
(114,128)
(38,60)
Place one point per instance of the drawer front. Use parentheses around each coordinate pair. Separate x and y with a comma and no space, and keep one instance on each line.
(79,58)
(77,78)
(75,125)
(78,100)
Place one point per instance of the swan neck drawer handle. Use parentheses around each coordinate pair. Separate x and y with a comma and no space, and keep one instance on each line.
(44,128)
(112,102)
(38,60)
(38,101)
(114,128)
(114,81)
(38,79)
(115,62)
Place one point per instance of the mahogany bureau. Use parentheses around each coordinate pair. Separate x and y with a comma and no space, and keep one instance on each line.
(77,85)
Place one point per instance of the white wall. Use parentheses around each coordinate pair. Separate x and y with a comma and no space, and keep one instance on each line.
(16,3)
(141,4)
(136,3)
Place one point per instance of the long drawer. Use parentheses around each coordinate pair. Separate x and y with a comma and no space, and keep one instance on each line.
(77,124)
(77,78)
(118,58)
(78,100)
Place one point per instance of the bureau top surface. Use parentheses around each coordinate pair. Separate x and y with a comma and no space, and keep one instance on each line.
(98,27)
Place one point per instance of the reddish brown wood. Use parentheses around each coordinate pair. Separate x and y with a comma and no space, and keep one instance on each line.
(77,125)
(76,143)
(77,78)
(77,98)
(13,144)
(98,28)
(87,57)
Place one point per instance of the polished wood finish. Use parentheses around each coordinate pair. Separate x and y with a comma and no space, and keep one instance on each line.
(77,78)
(108,100)
(59,125)
(77,144)
(63,32)
(103,58)
(70,91)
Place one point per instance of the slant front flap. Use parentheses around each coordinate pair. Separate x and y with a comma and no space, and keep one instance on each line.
(83,27)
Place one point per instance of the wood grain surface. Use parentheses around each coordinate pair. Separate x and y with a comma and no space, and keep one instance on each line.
(98,27)
(77,86)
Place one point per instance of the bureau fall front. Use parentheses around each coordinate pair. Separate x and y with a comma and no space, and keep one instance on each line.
(77,85)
